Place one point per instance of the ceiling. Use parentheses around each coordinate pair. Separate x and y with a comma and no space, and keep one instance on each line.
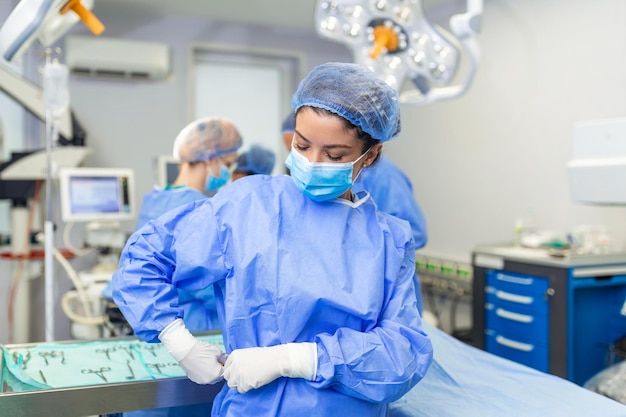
(286,13)
(282,13)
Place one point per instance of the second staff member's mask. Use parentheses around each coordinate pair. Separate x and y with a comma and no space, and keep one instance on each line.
(213,183)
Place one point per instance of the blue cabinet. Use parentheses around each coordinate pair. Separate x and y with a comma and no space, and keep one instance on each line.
(516,317)
(557,315)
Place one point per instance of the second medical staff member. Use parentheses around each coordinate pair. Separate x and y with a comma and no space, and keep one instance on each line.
(206,149)
(315,287)
(255,161)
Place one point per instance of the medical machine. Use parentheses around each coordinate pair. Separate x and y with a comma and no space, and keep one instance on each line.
(44,21)
(100,198)
(396,41)
(167,170)
(96,194)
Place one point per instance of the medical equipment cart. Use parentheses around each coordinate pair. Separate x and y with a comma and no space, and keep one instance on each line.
(561,315)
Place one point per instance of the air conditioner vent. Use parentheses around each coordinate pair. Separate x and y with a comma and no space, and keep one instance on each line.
(117,58)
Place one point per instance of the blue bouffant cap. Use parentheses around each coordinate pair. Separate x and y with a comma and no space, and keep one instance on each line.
(355,93)
(257,160)
(289,124)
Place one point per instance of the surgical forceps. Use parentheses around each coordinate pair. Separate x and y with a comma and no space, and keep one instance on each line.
(52,354)
(128,349)
(158,366)
(21,359)
(107,351)
(100,372)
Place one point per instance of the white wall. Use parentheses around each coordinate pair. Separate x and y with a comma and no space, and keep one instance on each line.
(481,161)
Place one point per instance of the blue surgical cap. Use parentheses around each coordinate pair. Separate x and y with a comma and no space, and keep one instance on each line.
(289,124)
(206,138)
(257,160)
(355,93)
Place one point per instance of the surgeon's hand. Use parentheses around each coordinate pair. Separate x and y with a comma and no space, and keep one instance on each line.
(200,360)
(251,368)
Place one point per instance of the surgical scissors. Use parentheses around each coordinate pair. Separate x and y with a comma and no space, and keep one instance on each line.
(157,366)
(21,359)
(107,351)
(128,349)
(100,372)
(52,354)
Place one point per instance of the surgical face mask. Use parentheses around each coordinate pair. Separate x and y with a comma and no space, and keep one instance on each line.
(320,181)
(213,183)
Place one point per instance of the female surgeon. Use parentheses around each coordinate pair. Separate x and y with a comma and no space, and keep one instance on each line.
(314,286)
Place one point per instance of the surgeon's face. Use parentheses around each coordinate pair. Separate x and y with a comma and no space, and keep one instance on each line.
(229,160)
(324,138)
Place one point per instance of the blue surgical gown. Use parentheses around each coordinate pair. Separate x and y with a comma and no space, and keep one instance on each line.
(286,269)
(392,191)
(199,308)
(159,201)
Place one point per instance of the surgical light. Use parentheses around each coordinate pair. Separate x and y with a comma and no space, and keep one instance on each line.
(45,21)
(394,39)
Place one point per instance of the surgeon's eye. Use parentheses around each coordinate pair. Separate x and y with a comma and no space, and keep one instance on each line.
(334,158)
(300,147)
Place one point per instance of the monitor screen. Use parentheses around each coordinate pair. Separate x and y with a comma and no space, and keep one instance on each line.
(92,194)
(167,170)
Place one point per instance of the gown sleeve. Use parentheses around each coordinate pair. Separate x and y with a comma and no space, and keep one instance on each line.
(381,364)
(182,248)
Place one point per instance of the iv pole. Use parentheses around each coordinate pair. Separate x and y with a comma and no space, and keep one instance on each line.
(57,100)
(48,226)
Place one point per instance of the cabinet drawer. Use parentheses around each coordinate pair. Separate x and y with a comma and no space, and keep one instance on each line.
(517,283)
(518,350)
(517,293)
(517,303)
(530,325)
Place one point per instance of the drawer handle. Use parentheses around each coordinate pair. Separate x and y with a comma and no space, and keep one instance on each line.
(515,280)
(507,296)
(513,344)
(522,318)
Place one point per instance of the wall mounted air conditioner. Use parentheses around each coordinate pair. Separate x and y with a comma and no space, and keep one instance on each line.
(117,58)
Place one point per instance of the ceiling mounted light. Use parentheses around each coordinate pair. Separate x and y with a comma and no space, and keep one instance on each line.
(395,40)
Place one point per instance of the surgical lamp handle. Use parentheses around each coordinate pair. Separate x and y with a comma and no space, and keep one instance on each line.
(464,26)
(468,23)
(442,93)
(89,19)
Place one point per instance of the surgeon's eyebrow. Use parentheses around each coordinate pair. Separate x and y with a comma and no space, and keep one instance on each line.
(337,146)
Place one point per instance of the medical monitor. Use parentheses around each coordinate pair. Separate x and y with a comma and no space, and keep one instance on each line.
(96,194)
(167,170)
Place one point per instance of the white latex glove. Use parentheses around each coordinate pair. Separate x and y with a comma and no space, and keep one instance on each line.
(200,360)
(250,368)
